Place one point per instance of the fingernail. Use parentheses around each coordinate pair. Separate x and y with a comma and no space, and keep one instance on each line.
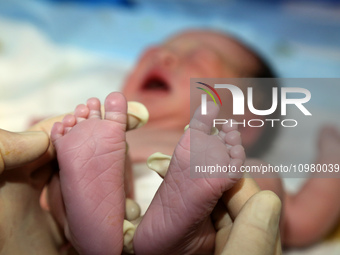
(128,232)
(132,209)
(159,163)
(214,131)
(138,115)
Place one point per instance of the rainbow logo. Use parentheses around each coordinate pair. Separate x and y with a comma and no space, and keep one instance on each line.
(212,89)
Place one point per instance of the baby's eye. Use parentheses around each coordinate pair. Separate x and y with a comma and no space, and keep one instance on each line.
(149,52)
(206,59)
(206,54)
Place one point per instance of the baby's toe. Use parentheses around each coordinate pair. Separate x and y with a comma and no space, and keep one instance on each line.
(203,123)
(69,121)
(57,131)
(229,134)
(237,152)
(81,112)
(233,138)
(94,108)
(229,126)
(116,108)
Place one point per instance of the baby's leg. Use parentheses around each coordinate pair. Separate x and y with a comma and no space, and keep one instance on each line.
(178,219)
(315,210)
(91,155)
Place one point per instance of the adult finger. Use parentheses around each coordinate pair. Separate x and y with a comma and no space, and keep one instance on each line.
(256,227)
(17,149)
(235,198)
(223,225)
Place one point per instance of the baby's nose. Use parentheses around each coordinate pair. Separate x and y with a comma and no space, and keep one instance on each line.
(167,58)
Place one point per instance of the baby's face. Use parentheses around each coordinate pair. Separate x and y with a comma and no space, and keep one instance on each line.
(161,78)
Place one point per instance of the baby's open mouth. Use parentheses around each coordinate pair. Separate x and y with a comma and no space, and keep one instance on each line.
(155,84)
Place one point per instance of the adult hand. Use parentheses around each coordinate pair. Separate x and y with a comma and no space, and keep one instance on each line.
(17,149)
(24,225)
(255,230)
(26,166)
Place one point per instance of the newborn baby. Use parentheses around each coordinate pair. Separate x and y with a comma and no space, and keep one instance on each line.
(92,170)
(161,81)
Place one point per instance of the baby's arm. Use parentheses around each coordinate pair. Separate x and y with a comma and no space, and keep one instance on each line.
(314,211)
(308,215)
(311,213)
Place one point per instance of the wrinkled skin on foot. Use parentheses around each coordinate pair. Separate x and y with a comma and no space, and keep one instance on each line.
(91,156)
(178,219)
(26,165)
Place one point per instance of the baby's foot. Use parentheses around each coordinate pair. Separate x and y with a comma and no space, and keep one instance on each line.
(178,219)
(91,154)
